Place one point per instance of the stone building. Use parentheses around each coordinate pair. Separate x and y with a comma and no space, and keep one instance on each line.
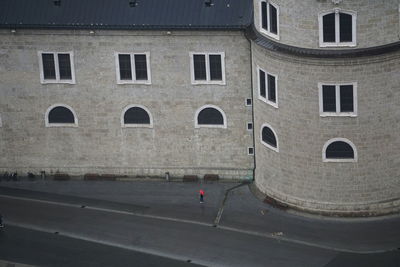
(301,96)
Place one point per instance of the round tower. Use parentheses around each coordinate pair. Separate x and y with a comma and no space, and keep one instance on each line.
(326,87)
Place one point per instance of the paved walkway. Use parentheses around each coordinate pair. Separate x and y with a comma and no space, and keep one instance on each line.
(242,211)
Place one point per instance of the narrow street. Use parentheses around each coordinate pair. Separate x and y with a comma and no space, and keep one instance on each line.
(52,226)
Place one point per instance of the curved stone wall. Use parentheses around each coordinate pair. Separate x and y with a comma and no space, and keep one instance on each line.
(297,175)
(377,21)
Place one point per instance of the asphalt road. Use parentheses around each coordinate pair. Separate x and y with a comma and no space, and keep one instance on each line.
(155,236)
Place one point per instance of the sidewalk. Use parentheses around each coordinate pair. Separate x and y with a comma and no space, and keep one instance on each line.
(242,211)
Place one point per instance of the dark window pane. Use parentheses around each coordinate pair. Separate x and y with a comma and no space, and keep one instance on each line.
(328,22)
(64,63)
(136,115)
(264,16)
(49,70)
(268,136)
(339,150)
(273,19)
(140,67)
(215,68)
(61,115)
(262,84)
(346,27)
(199,62)
(271,88)
(210,116)
(329,98)
(346,98)
(125,68)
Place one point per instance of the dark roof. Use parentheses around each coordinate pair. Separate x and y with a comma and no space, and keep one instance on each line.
(118,14)
(252,34)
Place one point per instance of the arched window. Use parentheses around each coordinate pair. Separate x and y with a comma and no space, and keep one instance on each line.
(337,28)
(339,150)
(60,115)
(210,116)
(136,116)
(269,137)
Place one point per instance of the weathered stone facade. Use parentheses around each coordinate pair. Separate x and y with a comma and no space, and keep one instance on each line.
(296,174)
(99,144)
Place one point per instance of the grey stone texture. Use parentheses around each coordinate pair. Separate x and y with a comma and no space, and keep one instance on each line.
(99,144)
(377,21)
(296,174)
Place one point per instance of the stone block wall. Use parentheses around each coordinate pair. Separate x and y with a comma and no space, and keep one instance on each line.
(99,143)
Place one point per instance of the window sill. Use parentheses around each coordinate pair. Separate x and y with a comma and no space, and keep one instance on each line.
(276,149)
(150,126)
(337,45)
(208,83)
(351,115)
(270,34)
(57,82)
(340,160)
(134,82)
(65,125)
(273,104)
(210,126)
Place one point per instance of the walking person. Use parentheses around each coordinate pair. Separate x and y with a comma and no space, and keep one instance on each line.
(201,196)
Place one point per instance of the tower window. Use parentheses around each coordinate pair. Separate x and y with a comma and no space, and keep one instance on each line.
(267,87)
(338,99)
(268,137)
(269,19)
(337,28)
(339,150)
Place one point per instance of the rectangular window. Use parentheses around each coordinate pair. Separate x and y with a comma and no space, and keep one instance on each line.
(133,68)
(267,87)
(269,19)
(207,68)
(337,29)
(338,99)
(56,67)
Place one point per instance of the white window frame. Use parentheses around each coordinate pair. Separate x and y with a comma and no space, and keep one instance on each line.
(324,159)
(264,31)
(337,42)
(276,149)
(46,117)
(57,68)
(265,99)
(136,125)
(338,113)
(133,68)
(196,116)
(208,76)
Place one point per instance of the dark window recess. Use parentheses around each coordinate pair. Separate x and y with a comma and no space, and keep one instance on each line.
(199,62)
(125,68)
(210,116)
(268,137)
(61,115)
(339,150)
(271,88)
(262,84)
(215,68)
(328,22)
(49,69)
(328,98)
(64,63)
(346,27)
(140,67)
(249,126)
(248,102)
(251,151)
(346,98)
(273,19)
(264,16)
(136,115)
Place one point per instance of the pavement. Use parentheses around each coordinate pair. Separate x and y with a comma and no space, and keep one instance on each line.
(238,211)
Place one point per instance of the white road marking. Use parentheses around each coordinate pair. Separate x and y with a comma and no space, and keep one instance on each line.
(227,228)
